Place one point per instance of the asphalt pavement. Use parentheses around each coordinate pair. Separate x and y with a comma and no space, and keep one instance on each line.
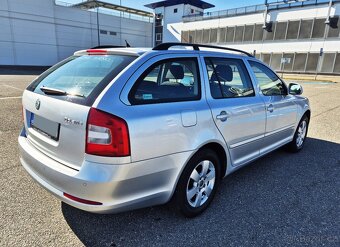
(279,200)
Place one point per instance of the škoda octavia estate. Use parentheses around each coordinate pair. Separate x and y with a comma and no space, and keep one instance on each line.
(110,130)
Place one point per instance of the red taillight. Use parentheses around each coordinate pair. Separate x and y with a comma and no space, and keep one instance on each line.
(96,52)
(106,135)
(77,199)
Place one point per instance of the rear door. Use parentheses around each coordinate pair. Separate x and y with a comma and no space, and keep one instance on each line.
(238,111)
(56,105)
(281,109)
(166,110)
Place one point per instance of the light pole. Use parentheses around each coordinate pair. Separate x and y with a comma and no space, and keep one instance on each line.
(120,23)
(153,33)
(98,32)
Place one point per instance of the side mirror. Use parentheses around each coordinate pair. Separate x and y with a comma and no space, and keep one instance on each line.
(295,89)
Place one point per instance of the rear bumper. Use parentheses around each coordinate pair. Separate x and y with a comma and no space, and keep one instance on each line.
(117,187)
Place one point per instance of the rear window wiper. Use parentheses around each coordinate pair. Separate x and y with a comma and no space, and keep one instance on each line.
(55,91)
(52,91)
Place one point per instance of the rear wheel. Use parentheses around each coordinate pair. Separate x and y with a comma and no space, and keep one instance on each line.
(198,183)
(300,135)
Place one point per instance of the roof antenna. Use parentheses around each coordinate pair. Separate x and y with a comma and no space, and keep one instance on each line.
(127,44)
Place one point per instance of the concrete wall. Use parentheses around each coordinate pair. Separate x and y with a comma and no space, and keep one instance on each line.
(38,32)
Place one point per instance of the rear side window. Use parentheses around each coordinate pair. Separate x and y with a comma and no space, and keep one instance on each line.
(82,78)
(228,78)
(169,80)
(270,84)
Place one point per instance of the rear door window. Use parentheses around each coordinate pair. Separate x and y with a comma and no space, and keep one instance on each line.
(81,78)
(169,80)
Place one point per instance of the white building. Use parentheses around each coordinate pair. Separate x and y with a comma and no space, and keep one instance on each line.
(170,12)
(42,32)
(300,36)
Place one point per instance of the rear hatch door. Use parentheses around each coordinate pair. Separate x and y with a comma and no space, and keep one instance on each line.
(57,128)
(57,103)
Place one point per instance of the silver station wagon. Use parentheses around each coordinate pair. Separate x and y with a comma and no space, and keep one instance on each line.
(115,129)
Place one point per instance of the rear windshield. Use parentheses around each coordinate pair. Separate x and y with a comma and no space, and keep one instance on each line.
(82,78)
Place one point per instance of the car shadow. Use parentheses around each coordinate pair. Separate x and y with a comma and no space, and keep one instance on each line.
(279,199)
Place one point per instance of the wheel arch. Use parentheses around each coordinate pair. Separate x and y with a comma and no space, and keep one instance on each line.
(307,113)
(214,146)
(221,153)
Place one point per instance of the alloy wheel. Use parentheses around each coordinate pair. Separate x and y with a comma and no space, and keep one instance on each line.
(301,135)
(201,183)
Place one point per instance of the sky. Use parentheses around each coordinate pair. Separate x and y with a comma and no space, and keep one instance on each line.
(220,4)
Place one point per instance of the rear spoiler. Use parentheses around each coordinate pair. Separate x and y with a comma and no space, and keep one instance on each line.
(114,51)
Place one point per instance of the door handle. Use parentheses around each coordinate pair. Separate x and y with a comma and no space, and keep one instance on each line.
(223,116)
(270,108)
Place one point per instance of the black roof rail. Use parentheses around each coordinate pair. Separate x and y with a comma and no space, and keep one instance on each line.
(196,47)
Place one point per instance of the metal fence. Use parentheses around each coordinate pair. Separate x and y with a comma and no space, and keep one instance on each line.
(250,10)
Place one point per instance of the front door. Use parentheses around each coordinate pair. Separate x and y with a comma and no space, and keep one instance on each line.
(238,112)
(281,109)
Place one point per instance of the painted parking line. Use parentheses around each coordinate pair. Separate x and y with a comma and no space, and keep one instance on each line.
(15,97)
(317,82)
(16,88)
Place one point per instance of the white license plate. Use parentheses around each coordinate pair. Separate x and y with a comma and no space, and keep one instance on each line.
(45,126)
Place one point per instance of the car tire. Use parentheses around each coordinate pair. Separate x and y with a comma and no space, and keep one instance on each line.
(198,183)
(300,135)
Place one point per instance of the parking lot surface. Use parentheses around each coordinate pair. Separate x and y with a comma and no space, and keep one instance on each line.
(281,199)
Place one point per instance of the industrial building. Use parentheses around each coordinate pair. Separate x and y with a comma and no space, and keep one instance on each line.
(43,32)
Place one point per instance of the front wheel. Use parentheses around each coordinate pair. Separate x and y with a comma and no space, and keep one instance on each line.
(300,135)
(198,183)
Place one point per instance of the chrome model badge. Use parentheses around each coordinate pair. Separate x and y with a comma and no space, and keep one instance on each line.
(37,104)
(69,121)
